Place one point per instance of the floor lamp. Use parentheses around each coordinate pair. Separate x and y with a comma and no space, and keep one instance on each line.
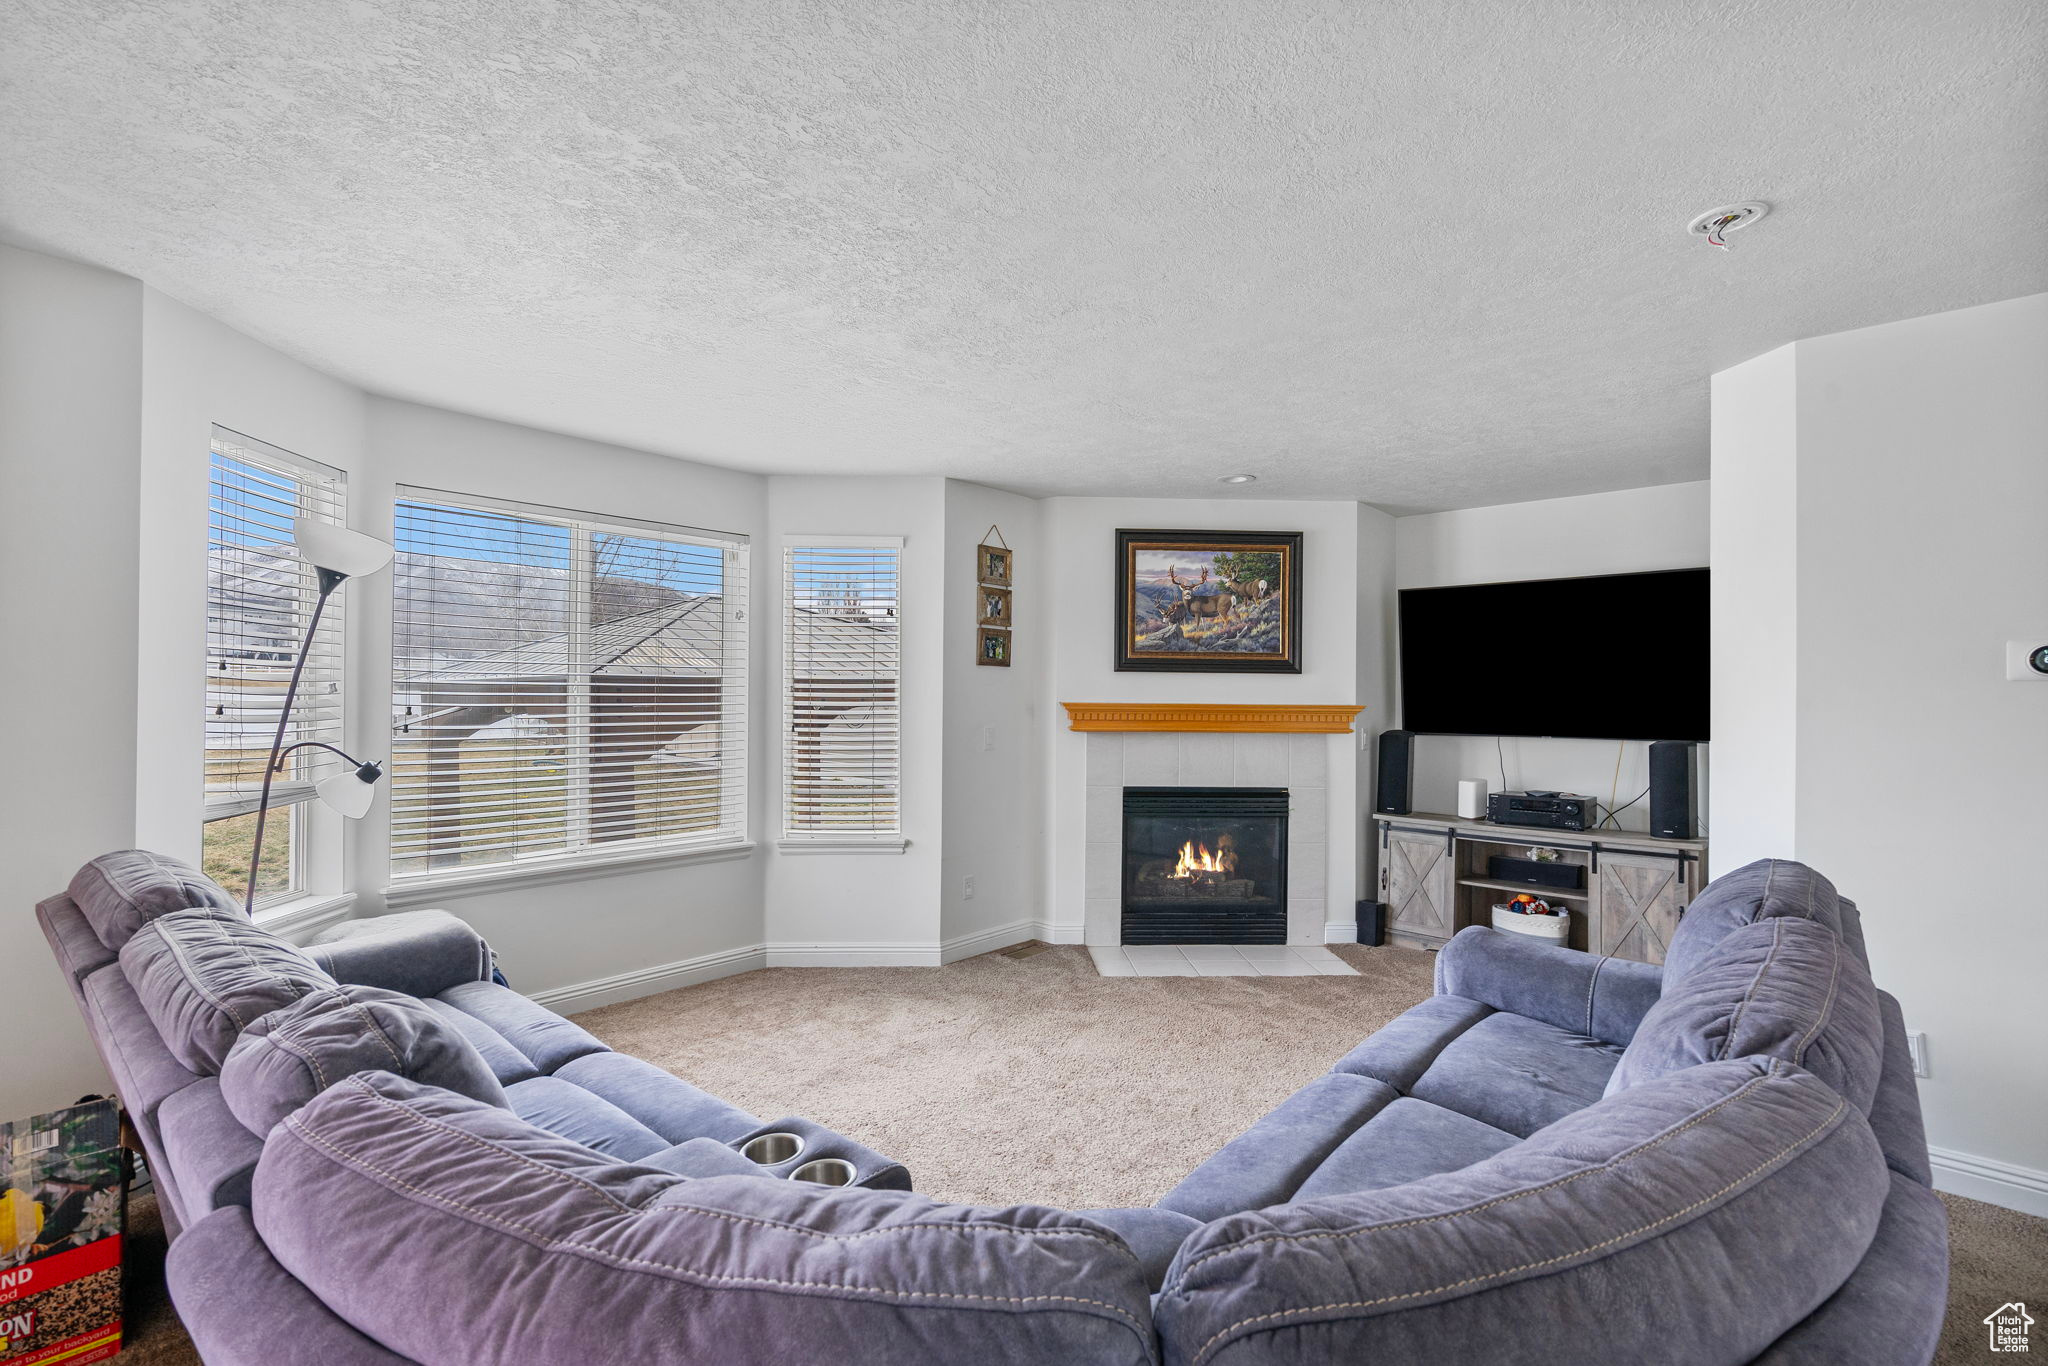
(337,555)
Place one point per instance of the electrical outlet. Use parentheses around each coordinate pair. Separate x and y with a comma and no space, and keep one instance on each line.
(967,888)
(988,737)
(1916,1044)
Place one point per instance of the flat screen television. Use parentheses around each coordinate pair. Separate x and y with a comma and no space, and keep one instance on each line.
(1609,657)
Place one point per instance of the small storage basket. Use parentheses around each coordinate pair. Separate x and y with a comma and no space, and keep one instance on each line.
(1551,929)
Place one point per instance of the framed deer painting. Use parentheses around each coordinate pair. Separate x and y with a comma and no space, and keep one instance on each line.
(1208,601)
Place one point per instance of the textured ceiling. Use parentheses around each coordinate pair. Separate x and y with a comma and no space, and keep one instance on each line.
(1426,254)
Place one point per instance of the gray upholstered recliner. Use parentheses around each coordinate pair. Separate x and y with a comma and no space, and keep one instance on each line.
(1563,1158)
(369,1153)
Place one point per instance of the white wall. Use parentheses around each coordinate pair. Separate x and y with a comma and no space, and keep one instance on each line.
(869,907)
(197,372)
(1080,539)
(1376,608)
(70,407)
(600,924)
(994,740)
(1634,530)
(1755,610)
(1922,484)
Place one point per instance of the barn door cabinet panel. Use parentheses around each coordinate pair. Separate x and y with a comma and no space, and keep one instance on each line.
(1418,881)
(1637,905)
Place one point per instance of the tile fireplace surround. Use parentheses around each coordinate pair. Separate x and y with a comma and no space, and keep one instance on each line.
(1297,762)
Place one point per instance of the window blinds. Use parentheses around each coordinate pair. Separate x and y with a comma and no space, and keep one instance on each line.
(259,596)
(562,688)
(842,681)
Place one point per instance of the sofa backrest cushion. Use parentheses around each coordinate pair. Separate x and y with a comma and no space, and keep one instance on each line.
(1786,989)
(285,1058)
(493,1240)
(1767,889)
(1689,1221)
(119,893)
(204,976)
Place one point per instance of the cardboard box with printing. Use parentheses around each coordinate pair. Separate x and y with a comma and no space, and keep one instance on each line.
(63,1207)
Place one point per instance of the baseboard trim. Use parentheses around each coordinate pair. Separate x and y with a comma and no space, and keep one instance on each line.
(826,954)
(987,941)
(1340,932)
(688,972)
(628,986)
(1994,1182)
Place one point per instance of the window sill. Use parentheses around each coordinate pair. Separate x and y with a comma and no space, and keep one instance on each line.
(890,845)
(459,883)
(305,916)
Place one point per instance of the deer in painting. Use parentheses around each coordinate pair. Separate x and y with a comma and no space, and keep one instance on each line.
(1194,606)
(1253,591)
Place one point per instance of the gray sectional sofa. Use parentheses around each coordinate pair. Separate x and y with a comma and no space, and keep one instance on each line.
(369,1151)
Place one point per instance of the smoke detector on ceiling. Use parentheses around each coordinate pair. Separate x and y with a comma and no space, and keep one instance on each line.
(1716,224)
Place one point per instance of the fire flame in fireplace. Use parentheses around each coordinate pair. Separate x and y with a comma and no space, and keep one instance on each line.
(1196,858)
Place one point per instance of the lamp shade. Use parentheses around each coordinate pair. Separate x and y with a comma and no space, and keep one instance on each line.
(347,792)
(348,553)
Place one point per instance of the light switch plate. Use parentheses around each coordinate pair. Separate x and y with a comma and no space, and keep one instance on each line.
(1916,1044)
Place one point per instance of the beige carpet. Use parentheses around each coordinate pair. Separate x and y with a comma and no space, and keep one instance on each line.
(1032,1079)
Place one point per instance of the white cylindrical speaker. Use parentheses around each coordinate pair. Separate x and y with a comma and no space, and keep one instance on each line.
(1472,799)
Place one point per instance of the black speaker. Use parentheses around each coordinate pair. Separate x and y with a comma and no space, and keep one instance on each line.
(1673,781)
(1372,923)
(1397,772)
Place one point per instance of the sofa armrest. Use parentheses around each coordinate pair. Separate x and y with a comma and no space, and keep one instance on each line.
(418,953)
(243,1309)
(1585,993)
(1153,1235)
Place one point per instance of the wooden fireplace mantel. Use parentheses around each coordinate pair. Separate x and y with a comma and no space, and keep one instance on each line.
(1210,716)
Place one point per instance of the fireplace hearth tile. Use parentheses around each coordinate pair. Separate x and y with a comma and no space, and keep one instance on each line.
(1308,761)
(1104,878)
(1105,761)
(1205,760)
(1260,761)
(1104,818)
(1308,871)
(1152,760)
(1219,960)
(1111,962)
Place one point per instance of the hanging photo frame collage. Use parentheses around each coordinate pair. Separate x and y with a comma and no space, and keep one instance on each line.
(995,572)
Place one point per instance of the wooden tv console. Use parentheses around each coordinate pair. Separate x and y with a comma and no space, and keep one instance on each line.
(1433,880)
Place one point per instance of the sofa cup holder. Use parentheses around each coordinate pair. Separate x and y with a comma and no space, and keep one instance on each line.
(826,1171)
(771,1150)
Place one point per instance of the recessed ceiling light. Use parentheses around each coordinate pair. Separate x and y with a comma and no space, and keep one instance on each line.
(1239,479)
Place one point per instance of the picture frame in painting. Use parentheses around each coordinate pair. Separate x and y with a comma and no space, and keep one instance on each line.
(994,565)
(1208,601)
(992,607)
(992,648)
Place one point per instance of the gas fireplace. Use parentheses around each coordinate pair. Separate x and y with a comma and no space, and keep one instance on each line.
(1205,865)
